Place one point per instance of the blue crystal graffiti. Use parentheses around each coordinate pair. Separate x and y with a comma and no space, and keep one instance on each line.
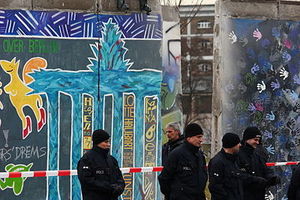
(115,78)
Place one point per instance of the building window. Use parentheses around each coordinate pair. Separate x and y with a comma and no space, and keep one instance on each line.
(204,44)
(205,67)
(203,24)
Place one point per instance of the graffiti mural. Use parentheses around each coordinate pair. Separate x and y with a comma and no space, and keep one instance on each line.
(261,88)
(62,79)
(18,93)
(128,145)
(171,83)
(150,148)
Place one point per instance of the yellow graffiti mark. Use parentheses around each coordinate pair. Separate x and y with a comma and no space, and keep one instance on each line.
(150,134)
(87,122)
(150,146)
(87,142)
(1,105)
(128,143)
(18,93)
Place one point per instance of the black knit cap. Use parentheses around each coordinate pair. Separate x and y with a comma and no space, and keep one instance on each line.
(230,140)
(99,136)
(192,130)
(251,132)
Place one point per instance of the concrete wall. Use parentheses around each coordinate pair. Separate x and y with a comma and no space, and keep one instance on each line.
(256,78)
(90,67)
(87,5)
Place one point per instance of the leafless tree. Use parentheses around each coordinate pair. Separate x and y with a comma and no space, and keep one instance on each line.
(179,3)
(187,101)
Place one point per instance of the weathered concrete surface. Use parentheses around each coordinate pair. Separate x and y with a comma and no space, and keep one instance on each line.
(225,10)
(109,5)
(155,6)
(134,5)
(14,4)
(169,13)
(248,9)
(234,61)
(102,6)
(87,5)
(289,12)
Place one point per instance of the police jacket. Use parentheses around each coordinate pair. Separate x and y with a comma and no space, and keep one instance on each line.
(294,187)
(170,146)
(259,175)
(184,176)
(99,175)
(224,180)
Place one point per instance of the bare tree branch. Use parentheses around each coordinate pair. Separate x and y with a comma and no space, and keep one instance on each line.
(194,11)
(193,14)
(187,100)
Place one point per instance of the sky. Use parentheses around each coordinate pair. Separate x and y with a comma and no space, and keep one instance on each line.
(189,2)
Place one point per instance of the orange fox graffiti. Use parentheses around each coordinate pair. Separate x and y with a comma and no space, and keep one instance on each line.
(18,90)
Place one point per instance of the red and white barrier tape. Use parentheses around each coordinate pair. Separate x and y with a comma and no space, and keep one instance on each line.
(71,172)
(123,170)
(282,163)
(141,169)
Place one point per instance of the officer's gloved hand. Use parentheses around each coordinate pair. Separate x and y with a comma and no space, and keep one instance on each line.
(117,190)
(235,174)
(274,180)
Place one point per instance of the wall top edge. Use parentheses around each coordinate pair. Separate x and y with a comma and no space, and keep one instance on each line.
(267,1)
(260,17)
(256,17)
(104,12)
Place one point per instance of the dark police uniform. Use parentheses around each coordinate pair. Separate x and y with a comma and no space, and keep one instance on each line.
(170,146)
(184,176)
(259,175)
(294,187)
(224,177)
(100,176)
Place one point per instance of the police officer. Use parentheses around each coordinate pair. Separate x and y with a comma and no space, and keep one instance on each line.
(184,176)
(224,176)
(253,163)
(98,172)
(294,187)
(175,139)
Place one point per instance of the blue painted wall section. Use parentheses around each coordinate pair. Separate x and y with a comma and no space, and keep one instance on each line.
(261,87)
(109,71)
(73,25)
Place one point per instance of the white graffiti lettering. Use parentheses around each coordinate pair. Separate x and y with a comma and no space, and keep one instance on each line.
(22,152)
